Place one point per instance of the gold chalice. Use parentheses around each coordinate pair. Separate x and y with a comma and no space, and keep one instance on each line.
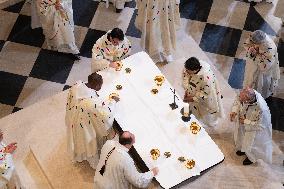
(159,79)
(154,91)
(190,163)
(128,70)
(118,87)
(181,159)
(119,66)
(113,95)
(155,153)
(194,128)
(167,154)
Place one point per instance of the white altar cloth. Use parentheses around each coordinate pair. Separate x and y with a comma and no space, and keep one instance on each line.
(155,125)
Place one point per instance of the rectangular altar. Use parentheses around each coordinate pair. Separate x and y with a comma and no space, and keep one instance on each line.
(155,124)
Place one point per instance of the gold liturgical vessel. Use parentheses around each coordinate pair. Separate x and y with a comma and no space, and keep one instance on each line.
(159,79)
(118,87)
(128,70)
(119,66)
(190,163)
(113,95)
(155,153)
(194,128)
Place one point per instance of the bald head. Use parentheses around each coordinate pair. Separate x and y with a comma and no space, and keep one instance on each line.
(127,138)
(258,36)
(247,95)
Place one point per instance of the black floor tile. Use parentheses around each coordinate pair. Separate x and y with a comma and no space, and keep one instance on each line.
(254,21)
(52,66)
(89,41)
(16,109)
(11,86)
(220,40)
(16,8)
(281,53)
(195,9)
(132,30)
(277,112)
(23,33)
(1,44)
(84,11)
(237,74)
(131,4)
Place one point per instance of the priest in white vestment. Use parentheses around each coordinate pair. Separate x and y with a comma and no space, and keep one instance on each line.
(56,19)
(8,177)
(279,12)
(89,120)
(116,169)
(202,91)
(109,49)
(262,65)
(253,130)
(158,21)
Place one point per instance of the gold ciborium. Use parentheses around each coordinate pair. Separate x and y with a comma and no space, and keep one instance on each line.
(154,91)
(159,79)
(190,163)
(113,95)
(118,87)
(155,153)
(167,154)
(119,66)
(128,70)
(194,128)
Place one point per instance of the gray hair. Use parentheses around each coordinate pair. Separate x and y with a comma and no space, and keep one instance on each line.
(258,36)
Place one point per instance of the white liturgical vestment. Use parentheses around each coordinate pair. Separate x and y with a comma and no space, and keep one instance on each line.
(89,121)
(57,25)
(262,71)
(105,52)
(254,137)
(158,21)
(204,88)
(120,171)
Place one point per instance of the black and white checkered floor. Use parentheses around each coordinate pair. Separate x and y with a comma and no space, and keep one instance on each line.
(29,72)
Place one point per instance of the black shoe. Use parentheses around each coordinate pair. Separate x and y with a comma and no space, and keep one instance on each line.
(247,162)
(118,10)
(75,57)
(253,3)
(239,153)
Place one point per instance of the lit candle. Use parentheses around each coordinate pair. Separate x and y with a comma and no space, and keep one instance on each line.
(186,110)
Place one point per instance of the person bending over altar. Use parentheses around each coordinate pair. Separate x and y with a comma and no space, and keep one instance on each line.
(9,178)
(158,22)
(56,19)
(202,91)
(253,130)
(89,120)
(116,169)
(110,48)
(262,66)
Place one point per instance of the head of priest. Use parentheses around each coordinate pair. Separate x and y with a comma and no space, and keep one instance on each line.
(258,37)
(192,66)
(247,95)
(95,81)
(116,36)
(127,139)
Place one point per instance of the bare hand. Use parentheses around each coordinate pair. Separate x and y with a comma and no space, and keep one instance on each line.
(58,6)
(187,98)
(155,171)
(233,116)
(113,65)
(1,135)
(10,148)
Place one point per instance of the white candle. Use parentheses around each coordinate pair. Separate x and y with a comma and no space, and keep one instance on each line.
(186,109)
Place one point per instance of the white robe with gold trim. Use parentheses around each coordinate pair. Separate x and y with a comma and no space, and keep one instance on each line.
(204,88)
(254,137)
(89,121)
(105,52)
